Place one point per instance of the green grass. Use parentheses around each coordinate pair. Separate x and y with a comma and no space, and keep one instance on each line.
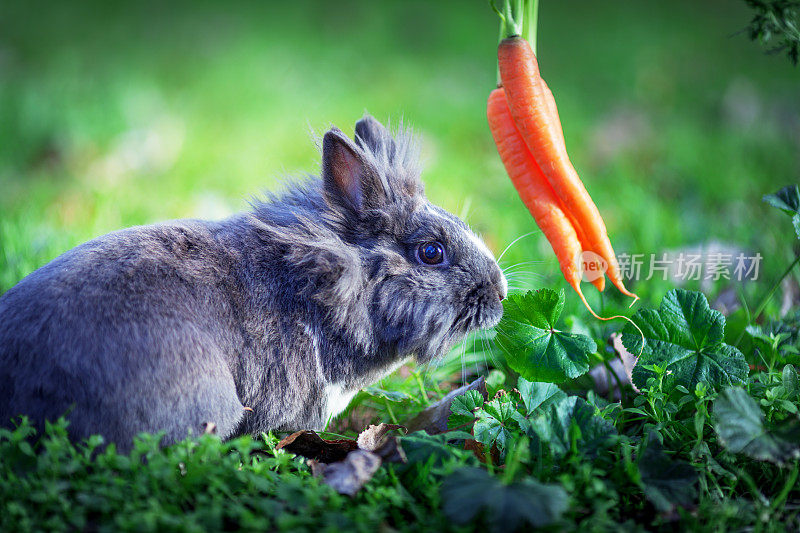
(198,485)
(120,114)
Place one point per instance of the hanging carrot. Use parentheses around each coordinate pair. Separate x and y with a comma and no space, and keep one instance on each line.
(535,115)
(534,190)
(599,281)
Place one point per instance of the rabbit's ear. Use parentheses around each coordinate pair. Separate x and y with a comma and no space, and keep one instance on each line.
(371,134)
(349,180)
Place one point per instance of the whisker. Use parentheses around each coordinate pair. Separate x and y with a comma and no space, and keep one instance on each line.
(514,241)
(463,363)
(526,277)
(518,268)
(485,350)
(492,352)
(483,343)
(464,211)
(516,265)
(524,281)
(523,272)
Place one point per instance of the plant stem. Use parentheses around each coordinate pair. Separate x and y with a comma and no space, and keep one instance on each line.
(778,503)
(392,417)
(512,18)
(421,386)
(517,18)
(613,373)
(530,23)
(747,316)
(772,290)
(336,435)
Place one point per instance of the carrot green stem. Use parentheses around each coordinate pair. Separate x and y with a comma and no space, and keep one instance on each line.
(530,24)
(511,18)
(516,17)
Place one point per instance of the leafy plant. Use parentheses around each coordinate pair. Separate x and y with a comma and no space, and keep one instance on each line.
(667,483)
(776,24)
(532,344)
(572,425)
(496,422)
(470,493)
(788,201)
(537,395)
(685,338)
(742,429)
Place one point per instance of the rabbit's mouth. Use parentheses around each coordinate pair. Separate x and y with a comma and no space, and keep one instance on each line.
(483,307)
(473,319)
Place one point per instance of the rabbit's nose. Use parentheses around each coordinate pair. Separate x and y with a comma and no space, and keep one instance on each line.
(501,287)
(500,294)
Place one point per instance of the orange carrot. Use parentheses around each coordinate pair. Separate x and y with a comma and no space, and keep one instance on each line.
(535,115)
(537,194)
(533,188)
(599,282)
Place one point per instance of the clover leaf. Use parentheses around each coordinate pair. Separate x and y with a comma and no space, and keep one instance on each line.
(533,346)
(685,337)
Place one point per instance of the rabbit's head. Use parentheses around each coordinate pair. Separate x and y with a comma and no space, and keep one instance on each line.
(428,279)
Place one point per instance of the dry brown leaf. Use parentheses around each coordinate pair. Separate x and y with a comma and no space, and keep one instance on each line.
(310,445)
(375,439)
(374,436)
(348,476)
(628,359)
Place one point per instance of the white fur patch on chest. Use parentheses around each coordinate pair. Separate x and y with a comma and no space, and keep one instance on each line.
(336,398)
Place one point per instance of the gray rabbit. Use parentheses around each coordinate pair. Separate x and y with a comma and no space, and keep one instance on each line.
(271,319)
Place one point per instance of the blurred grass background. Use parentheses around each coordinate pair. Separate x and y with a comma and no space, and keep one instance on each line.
(116,114)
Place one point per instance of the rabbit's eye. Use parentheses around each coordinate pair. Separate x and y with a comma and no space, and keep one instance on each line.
(431,253)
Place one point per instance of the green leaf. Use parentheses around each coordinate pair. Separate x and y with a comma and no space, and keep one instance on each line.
(572,419)
(463,408)
(537,395)
(790,381)
(469,493)
(776,25)
(498,422)
(392,396)
(667,482)
(685,336)
(421,448)
(741,429)
(788,201)
(495,381)
(533,346)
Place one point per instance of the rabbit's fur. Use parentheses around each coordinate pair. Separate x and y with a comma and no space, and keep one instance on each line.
(287,310)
